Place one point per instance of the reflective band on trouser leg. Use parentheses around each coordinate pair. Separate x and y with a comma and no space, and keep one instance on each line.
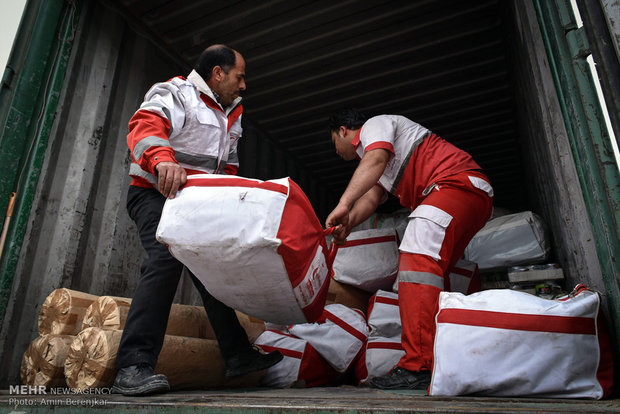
(419,286)
(422,278)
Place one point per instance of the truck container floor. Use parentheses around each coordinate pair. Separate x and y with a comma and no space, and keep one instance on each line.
(343,399)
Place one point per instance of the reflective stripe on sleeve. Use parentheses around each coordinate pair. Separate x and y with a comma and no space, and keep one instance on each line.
(422,278)
(147,143)
(135,170)
(207,162)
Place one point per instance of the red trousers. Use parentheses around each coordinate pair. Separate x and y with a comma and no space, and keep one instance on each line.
(438,232)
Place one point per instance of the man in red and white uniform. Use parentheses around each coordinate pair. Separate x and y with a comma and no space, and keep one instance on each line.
(450,200)
(185,125)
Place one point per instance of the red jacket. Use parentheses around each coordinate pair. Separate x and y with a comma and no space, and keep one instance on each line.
(180,121)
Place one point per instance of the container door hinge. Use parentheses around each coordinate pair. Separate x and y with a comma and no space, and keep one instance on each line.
(578,43)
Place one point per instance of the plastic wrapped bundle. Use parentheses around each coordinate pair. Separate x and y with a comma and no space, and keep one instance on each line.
(509,240)
(63,311)
(44,361)
(189,363)
(91,358)
(110,312)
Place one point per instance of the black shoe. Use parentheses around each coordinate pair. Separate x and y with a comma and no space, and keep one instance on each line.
(251,361)
(139,380)
(400,378)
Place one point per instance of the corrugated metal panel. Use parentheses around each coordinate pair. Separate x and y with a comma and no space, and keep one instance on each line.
(440,62)
(79,235)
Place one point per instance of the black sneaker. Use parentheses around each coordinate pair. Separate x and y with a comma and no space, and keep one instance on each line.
(252,360)
(139,380)
(400,378)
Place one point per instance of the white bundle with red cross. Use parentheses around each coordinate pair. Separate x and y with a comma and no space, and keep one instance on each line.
(509,343)
(368,259)
(257,246)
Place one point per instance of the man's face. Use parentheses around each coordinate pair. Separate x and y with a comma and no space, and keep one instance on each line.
(342,139)
(232,83)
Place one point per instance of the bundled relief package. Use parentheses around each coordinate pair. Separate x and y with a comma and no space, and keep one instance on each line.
(512,344)
(510,240)
(396,220)
(302,366)
(339,335)
(257,246)
(368,260)
(383,349)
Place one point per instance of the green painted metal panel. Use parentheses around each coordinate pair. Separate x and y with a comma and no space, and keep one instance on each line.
(29,120)
(567,50)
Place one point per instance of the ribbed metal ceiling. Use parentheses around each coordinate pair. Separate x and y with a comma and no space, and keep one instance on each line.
(442,63)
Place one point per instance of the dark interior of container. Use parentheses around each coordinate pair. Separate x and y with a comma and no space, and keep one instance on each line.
(444,64)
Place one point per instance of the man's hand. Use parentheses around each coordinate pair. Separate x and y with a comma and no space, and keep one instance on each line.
(339,220)
(170,176)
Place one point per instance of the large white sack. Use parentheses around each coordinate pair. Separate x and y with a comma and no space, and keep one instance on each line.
(302,365)
(509,343)
(510,240)
(257,246)
(368,259)
(396,220)
(383,349)
(380,357)
(339,335)
(384,315)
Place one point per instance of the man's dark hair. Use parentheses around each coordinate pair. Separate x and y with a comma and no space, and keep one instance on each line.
(350,118)
(216,55)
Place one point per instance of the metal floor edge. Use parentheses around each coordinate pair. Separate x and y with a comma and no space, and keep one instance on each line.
(342,399)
